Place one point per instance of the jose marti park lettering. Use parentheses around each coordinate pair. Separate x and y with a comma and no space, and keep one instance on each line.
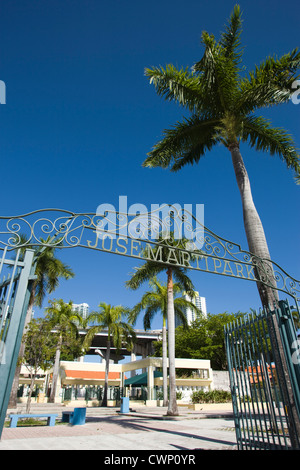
(171,256)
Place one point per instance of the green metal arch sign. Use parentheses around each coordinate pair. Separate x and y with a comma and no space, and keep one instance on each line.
(168,235)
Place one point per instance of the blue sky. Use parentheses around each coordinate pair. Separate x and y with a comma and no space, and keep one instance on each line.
(80,117)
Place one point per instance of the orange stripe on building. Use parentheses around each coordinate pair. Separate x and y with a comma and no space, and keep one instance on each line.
(89,374)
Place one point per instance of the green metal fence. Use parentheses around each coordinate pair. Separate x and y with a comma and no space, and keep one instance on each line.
(265,378)
(95,392)
(92,393)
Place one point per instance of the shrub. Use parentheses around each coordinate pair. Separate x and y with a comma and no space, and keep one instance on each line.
(213,396)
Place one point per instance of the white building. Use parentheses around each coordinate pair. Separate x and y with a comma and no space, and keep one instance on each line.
(82,309)
(199,302)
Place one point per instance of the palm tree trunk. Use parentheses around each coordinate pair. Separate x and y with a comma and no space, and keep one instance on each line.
(107,358)
(255,234)
(164,361)
(172,407)
(55,371)
(269,295)
(14,390)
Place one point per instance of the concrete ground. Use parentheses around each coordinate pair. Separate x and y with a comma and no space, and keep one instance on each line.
(141,429)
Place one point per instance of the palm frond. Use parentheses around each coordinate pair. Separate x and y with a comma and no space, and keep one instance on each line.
(183,144)
(218,77)
(206,65)
(184,303)
(230,39)
(179,85)
(269,84)
(179,311)
(151,310)
(150,298)
(144,273)
(128,335)
(262,136)
(183,280)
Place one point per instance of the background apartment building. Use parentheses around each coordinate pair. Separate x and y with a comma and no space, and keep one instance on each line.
(199,302)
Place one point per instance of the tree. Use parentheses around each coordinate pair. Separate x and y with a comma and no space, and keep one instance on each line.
(154,301)
(146,272)
(222,103)
(64,320)
(205,339)
(118,332)
(49,270)
(39,349)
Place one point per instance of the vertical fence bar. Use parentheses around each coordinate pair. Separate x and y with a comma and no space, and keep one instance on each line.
(14,335)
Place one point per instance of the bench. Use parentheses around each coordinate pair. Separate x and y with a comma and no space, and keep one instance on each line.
(75,417)
(50,418)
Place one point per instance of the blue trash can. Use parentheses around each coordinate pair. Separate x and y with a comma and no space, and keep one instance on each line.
(124,405)
(78,416)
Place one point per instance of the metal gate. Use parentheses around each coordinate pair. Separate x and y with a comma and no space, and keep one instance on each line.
(16,275)
(265,384)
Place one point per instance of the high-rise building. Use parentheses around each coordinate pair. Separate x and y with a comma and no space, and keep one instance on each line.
(199,302)
(82,309)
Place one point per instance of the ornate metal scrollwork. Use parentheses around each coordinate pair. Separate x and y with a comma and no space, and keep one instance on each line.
(175,238)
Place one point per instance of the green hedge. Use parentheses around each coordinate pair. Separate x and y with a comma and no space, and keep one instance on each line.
(214,396)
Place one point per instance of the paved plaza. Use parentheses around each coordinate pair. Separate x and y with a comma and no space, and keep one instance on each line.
(142,429)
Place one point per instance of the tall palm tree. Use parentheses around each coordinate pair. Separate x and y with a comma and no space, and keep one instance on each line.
(146,272)
(49,271)
(222,104)
(118,332)
(65,321)
(154,301)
